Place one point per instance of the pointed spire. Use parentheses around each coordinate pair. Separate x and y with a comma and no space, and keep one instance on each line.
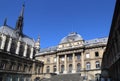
(37,44)
(19,24)
(5,22)
(22,11)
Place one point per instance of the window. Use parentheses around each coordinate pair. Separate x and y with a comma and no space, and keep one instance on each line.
(21,51)
(78,67)
(11,66)
(28,52)
(48,60)
(87,55)
(13,47)
(78,56)
(54,68)
(70,68)
(62,68)
(19,67)
(96,54)
(97,64)
(62,58)
(2,65)
(48,69)
(88,66)
(70,57)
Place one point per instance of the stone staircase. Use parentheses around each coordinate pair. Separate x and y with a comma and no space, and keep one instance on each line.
(65,77)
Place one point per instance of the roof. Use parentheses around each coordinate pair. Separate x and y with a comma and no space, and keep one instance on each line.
(7,30)
(93,42)
(73,36)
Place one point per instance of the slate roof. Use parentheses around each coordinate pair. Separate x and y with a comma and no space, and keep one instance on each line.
(7,30)
(65,77)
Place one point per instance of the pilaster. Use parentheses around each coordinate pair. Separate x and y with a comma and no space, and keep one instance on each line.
(3,41)
(58,64)
(65,64)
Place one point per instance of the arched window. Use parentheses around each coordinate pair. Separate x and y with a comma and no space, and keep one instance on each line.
(97,64)
(13,46)
(70,68)
(62,68)
(21,51)
(78,67)
(54,68)
(28,52)
(88,66)
(48,69)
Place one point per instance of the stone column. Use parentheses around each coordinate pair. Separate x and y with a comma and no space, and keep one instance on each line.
(18,47)
(9,44)
(82,61)
(58,64)
(65,64)
(31,54)
(25,50)
(73,71)
(3,42)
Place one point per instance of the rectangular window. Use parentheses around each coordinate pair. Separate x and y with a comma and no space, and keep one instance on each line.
(78,56)
(48,60)
(70,57)
(87,55)
(96,54)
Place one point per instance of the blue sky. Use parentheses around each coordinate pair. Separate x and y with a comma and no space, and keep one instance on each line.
(54,19)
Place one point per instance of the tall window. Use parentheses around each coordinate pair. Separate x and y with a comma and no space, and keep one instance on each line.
(78,56)
(70,57)
(78,67)
(48,69)
(13,46)
(2,65)
(21,51)
(12,66)
(88,66)
(96,54)
(97,64)
(62,58)
(70,68)
(54,68)
(28,52)
(87,55)
(62,68)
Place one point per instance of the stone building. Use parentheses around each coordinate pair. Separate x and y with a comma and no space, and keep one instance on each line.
(74,55)
(17,53)
(111,57)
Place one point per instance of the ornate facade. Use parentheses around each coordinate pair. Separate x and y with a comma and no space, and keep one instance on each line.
(74,55)
(111,57)
(17,53)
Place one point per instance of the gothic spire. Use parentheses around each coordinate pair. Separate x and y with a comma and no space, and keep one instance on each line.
(22,11)
(19,24)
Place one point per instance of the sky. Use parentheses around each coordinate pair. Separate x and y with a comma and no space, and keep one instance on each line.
(55,19)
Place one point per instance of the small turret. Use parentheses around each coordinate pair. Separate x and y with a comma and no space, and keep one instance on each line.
(37,44)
